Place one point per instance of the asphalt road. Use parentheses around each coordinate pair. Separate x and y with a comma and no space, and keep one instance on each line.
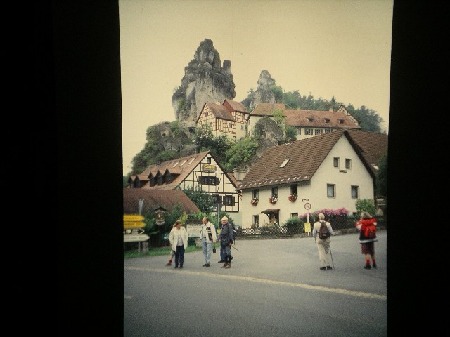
(273,288)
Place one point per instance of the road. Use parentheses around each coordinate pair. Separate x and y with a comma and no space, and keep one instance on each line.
(273,288)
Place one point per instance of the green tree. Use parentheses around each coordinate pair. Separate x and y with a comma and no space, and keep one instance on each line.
(278,93)
(204,201)
(241,153)
(381,180)
(291,134)
(367,205)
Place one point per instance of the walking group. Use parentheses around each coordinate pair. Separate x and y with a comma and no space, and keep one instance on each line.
(322,231)
(178,239)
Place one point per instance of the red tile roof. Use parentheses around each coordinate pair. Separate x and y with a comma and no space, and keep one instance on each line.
(323,119)
(304,158)
(155,199)
(267,109)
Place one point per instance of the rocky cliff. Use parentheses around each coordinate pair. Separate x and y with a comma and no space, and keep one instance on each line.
(205,80)
(263,93)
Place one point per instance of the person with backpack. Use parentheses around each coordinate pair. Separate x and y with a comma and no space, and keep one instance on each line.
(226,237)
(367,227)
(208,236)
(322,231)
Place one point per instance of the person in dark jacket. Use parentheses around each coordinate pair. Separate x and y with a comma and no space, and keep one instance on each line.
(226,240)
(367,244)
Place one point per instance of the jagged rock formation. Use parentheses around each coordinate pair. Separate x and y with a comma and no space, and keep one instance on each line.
(205,80)
(263,93)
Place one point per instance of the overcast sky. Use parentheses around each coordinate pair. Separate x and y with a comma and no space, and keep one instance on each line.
(325,48)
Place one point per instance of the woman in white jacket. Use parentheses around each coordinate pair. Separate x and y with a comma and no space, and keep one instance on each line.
(178,239)
(208,236)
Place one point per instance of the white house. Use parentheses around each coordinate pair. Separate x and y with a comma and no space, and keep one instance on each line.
(327,171)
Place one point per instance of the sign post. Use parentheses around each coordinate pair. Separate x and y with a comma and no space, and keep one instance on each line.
(307,206)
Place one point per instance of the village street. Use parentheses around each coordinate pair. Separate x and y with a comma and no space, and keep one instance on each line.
(274,288)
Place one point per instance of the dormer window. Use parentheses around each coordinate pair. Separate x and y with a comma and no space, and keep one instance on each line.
(283,164)
(340,121)
(327,120)
(310,119)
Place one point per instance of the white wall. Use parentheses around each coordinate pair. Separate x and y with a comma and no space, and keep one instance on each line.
(316,192)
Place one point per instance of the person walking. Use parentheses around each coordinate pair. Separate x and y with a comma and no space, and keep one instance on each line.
(226,239)
(366,240)
(178,239)
(209,236)
(323,245)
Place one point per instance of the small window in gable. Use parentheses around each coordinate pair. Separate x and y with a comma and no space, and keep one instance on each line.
(348,164)
(336,161)
(340,121)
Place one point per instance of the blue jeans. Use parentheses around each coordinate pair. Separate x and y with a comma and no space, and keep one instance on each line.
(179,256)
(207,249)
(225,251)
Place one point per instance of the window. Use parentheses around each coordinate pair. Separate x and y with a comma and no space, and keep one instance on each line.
(355,192)
(299,131)
(208,180)
(348,164)
(255,221)
(275,192)
(327,130)
(294,215)
(336,161)
(308,131)
(293,189)
(228,200)
(317,131)
(208,160)
(217,199)
(331,190)
(255,194)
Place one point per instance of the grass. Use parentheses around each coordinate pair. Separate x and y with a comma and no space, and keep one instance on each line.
(157,251)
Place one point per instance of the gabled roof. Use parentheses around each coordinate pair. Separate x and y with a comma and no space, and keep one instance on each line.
(295,162)
(234,106)
(219,111)
(180,168)
(267,109)
(155,199)
(374,145)
(323,119)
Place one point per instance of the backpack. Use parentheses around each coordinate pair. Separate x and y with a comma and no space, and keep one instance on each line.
(324,233)
(369,231)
